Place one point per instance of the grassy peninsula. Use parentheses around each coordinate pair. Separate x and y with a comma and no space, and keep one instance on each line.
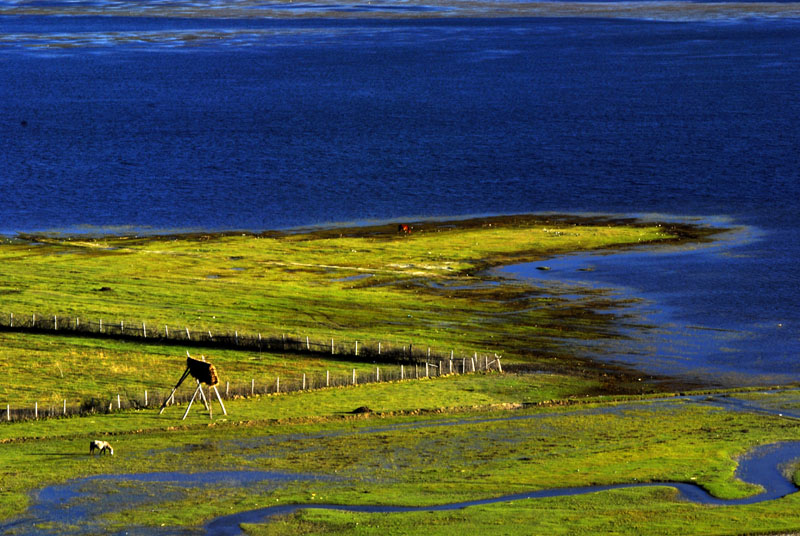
(414,442)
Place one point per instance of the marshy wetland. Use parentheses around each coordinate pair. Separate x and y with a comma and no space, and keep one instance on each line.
(516,452)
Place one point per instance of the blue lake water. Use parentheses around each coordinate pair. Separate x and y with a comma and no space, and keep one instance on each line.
(264,115)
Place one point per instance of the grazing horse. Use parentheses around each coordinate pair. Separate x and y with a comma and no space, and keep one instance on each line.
(102,446)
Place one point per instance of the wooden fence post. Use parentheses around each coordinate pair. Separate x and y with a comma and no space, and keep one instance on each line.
(145,398)
(188,336)
(119,405)
(144,330)
(356,348)
(308,344)
(12,320)
(440,367)
(327,378)
(277,384)
(252,387)
(426,370)
(36,410)
(166,331)
(101,325)
(227,388)
(354,376)
(332,347)
(65,406)
(122,326)
(55,323)
(451,365)
(377,374)
(235,337)
(77,322)
(8,412)
(379,348)
(402,373)
(304,381)
(463,365)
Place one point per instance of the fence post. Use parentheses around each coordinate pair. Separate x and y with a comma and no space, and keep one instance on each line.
(486,362)
(331,346)
(463,365)
(354,376)
(119,405)
(402,373)
(101,325)
(440,367)
(377,374)
(65,406)
(122,326)
(416,371)
(451,366)
(227,388)
(429,352)
(55,323)
(356,348)
(499,366)
(12,320)
(33,321)
(304,381)
(77,322)
(8,412)
(145,398)
(259,342)
(426,369)
(473,361)
(166,331)
(277,384)
(327,378)
(379,348)
(210,337)
(236,338)
(308,344)
(252,387)
(36,410)
(188,337)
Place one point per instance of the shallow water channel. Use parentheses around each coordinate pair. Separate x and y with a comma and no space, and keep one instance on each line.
(80,506)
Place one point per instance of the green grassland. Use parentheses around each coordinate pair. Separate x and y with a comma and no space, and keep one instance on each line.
(422,442)
(460,447)
(369,284)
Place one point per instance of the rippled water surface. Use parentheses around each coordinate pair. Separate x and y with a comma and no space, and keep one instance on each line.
(119,116)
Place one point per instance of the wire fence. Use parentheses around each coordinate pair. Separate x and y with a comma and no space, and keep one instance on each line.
(141,331)
(153,399)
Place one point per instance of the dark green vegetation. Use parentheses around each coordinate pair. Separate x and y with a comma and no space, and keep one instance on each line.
(423,442)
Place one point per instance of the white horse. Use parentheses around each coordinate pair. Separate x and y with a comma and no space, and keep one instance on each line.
(102,446)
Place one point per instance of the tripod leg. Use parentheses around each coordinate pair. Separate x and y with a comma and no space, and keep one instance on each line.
(190,403)
(183,377)
(203,396)
(220,401)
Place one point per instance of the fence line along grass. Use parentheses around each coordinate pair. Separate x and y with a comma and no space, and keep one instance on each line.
(307,382)
(139,331)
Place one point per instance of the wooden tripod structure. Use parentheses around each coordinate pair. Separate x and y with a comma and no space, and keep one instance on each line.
(202,372)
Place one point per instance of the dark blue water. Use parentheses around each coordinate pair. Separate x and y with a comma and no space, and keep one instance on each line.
(168,117)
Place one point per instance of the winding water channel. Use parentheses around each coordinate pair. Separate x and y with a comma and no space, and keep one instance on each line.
(75,507)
